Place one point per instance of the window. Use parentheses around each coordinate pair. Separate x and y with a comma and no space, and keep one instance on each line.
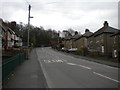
(102,49)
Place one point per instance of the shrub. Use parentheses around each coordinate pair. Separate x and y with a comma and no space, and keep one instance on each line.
(82,51)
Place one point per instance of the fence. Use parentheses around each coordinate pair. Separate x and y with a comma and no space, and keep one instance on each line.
(9,65)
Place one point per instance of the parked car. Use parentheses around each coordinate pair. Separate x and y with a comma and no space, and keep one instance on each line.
(72,49)
(64,49)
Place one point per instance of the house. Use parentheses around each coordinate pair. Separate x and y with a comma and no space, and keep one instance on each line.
(73,40)
(4,32)
(8,36)
(82,42)
(101,39)
(18,40)
(91,42)
(67,41)
(0,36)
(116,44)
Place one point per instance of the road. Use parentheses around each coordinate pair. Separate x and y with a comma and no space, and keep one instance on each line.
(65,71)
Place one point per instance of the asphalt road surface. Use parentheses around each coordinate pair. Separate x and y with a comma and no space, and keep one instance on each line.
(65,71)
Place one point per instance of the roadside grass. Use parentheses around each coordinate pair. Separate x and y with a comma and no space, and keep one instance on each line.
(97,57)
(104,58)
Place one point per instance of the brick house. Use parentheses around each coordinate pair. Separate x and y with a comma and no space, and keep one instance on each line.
(8,36)
(67,41)
(102,40)
(91,42)
(116,44)
(82,42)
(73,40)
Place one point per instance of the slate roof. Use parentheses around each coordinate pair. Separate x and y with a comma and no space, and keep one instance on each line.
(68,37)
(75,36)
(116,33)
(87,34)
(107,29)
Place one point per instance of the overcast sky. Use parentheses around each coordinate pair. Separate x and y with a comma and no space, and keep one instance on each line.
(62,14)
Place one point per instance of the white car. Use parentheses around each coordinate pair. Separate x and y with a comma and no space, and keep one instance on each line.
(72,49)
(64,49)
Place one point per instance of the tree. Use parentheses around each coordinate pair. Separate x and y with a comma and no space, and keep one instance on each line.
(71,31)
(38,35)
(33,41)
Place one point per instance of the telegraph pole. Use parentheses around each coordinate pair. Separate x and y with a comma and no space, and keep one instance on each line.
(29,8)
(118,36)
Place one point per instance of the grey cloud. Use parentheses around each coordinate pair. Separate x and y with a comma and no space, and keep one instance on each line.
(72,10)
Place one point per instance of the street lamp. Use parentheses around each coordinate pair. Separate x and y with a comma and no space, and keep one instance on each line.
(29,8)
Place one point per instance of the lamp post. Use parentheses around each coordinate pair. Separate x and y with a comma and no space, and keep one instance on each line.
(29,8)
(118,36)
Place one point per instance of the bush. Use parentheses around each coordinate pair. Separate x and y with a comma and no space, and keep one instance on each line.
(83,52)
(93,53)
(79,52)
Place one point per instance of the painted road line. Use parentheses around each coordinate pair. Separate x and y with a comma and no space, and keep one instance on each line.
(47,61)
(71,63)
(100,64)
(106,77)
(79,65)
(53,61)
(84,66)
(61,61)
(48,81)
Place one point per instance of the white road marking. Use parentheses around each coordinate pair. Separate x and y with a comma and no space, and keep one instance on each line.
(106,77)
(53,61)
(59,61)
(99,64)
(46,75)
(84,66)
(79,65)
(71,63)
(45,61)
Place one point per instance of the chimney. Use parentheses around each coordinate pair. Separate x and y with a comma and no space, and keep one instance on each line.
(86,30)
(13,25)
(106,24)
(1,21)
(76,32)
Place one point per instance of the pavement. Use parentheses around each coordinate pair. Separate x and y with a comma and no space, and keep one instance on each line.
(27,75)
(47,68)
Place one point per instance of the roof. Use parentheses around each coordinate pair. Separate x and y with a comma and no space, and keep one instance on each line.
(68,37)
(3,27)
(106,29)
(10,30)
(86,34)
(76,36)
(116,33)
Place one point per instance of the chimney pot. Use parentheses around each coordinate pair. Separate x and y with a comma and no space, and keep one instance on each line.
(76,32)
(105,23)
(86,30)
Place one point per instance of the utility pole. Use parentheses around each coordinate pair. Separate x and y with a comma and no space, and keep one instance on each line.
(118,36)
(29,8)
